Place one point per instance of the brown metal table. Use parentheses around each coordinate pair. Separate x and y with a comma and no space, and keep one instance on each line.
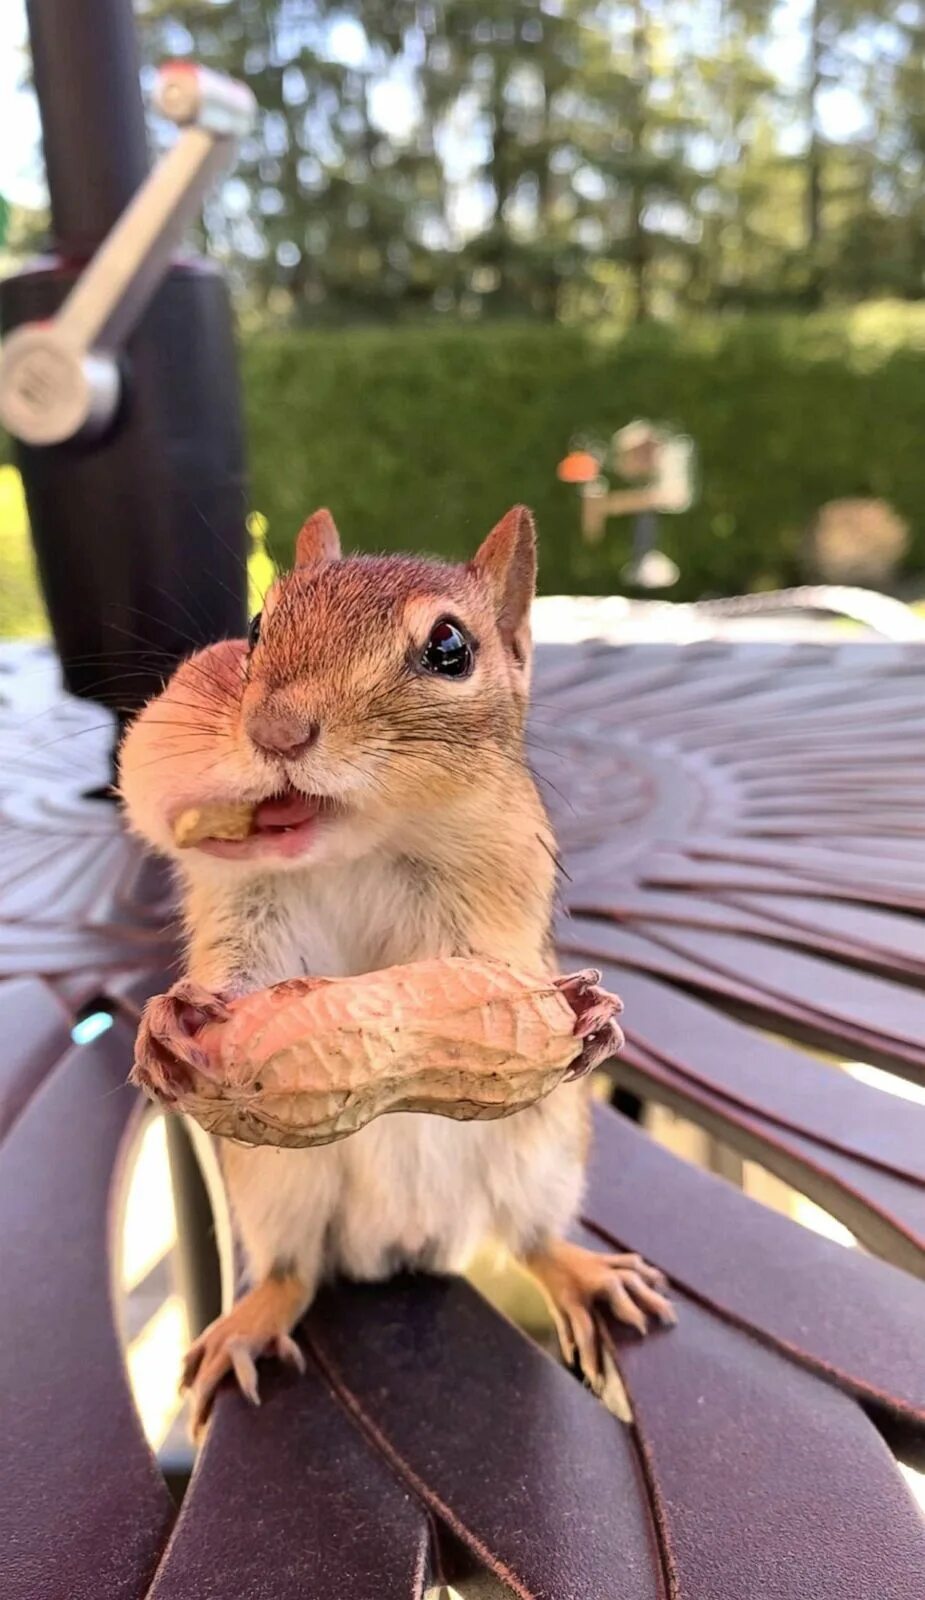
(742,831)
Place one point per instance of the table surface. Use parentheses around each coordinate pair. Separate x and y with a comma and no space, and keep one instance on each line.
(742,837)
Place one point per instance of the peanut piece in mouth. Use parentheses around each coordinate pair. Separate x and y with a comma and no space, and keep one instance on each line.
(212,822)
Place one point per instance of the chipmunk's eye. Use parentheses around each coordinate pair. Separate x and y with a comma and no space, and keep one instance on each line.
(253,632)
(448,652)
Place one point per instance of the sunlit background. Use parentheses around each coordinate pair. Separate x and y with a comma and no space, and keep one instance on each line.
(464,238)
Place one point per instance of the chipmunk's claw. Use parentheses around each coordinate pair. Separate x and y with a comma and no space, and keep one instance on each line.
(578,1281)
(257,1326)
(289,1351)
(242,1360)
(596,1012)
(165,1046)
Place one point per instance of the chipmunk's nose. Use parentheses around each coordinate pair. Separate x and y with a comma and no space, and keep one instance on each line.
(280,733)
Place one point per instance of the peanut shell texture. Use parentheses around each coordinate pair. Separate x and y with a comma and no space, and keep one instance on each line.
(312,1060)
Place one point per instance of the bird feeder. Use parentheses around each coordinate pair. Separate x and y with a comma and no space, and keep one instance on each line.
(657,465)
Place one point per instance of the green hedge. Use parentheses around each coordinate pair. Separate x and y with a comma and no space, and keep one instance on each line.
(418,438)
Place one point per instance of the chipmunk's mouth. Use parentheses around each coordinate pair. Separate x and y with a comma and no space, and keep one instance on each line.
(284,825)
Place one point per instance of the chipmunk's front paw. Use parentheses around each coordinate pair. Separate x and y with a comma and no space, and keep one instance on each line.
(596,1014)
(165,1044)
(577,1281)
(259,1325)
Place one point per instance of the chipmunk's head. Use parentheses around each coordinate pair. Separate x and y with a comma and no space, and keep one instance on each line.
(372,697)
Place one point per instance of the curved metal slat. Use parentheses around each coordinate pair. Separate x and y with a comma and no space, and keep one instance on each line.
(877,940)
(76,892)
(83,1509)
(65,877)
(722,1055)
(26,948)
(829,1029)
(886,1213)
(730,733)
(854,1319)
(874,876)
(839,1001)
(34,1034)
(289,1501)
(727,874)
(765,1481)
(525,1468)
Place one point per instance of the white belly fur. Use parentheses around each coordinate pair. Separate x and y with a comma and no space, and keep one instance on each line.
(408,1189)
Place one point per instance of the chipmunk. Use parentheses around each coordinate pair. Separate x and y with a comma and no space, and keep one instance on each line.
(375,716)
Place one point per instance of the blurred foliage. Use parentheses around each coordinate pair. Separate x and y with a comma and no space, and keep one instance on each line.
(420,438)
(22,611)
(26,235)
(643,158)
(22,615)
(261,568)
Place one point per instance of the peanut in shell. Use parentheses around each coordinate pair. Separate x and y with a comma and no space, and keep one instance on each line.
(312,1060)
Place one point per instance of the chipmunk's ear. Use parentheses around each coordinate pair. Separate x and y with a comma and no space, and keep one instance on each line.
(507,563)
(318,540)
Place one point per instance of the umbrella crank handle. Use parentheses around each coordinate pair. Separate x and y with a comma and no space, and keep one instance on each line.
(60,378)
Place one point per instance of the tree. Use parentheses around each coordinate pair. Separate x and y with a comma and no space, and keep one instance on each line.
(548,158)
(909,138)
(328,215)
